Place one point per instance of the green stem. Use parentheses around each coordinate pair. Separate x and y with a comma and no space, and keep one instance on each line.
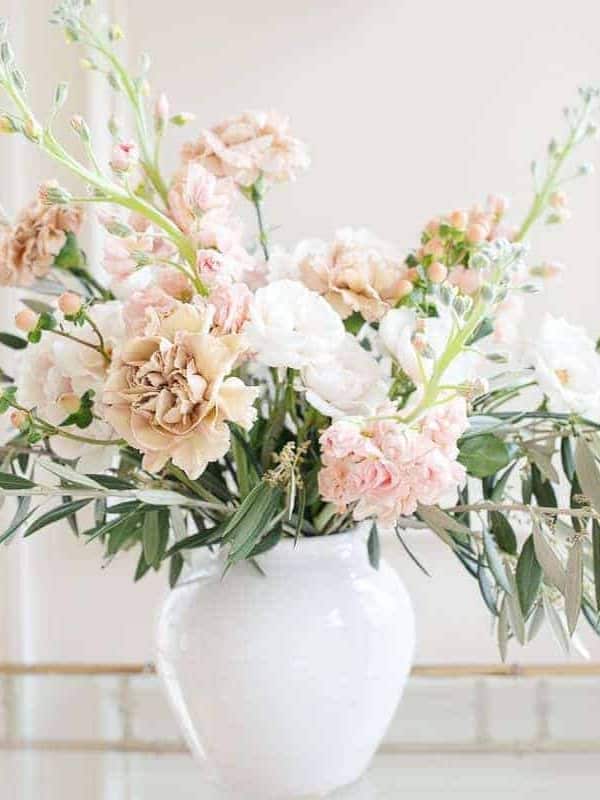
(541,197)
(98,333)
(263,236)
(83,342)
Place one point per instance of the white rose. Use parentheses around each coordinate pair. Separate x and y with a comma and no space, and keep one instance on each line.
(348,383)
(567,367)
(290,326)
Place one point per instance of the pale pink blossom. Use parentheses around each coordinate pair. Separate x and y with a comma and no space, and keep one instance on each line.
(251,145)
(199,201)
(232,304)
(138,305)
(174,283)
(124,156)
(384,469)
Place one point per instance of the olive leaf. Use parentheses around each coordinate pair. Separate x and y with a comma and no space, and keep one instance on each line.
(550,563)
(574,584)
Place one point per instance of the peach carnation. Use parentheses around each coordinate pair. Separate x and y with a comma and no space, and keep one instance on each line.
(248,146)
(168,394)
(29,249)
(357,272)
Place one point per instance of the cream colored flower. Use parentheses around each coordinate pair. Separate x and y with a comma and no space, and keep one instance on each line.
(248,146)
(357,272)
(168,393)
(29,249)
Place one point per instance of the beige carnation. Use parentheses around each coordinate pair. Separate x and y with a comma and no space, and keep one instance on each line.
(357,272)
(28,250)
(249,145)
(168,393)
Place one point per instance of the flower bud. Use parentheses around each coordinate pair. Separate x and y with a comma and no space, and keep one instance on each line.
(70,303)
(26,320)
(558,199)
(18,418)
(161,112)
(114,125)
(498,205)
(477,233)
(115,33)
(437,272)
(124,156)
(404,289)
(32,130)
(61,94)
(70,403)
(433,226)
(7,124)
(550,269)
(51,194)
(434,247)
(80,127)
(182,119)
(6,53)
(412,274)
(459,219)
(88,63)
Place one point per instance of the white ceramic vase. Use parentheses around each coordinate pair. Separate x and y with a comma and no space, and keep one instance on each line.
(285,683)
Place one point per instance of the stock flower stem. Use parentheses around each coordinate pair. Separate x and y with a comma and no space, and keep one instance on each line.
(263,236)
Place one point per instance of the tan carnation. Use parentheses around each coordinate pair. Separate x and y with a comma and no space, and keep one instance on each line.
(168,393)
(29,248)
(357,272)
(249,145)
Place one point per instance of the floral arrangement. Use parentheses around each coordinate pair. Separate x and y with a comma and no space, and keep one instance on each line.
(205,388)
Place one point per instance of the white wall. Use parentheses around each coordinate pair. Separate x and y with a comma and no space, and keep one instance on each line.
(411,107)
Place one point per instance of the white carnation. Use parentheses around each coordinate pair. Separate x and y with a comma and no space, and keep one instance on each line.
(290,326)
(348,383)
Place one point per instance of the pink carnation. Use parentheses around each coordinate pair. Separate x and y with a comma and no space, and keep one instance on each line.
(135,310)
(232,307)
(385,469)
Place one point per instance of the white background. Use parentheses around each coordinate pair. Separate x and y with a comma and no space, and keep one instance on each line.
(411,108)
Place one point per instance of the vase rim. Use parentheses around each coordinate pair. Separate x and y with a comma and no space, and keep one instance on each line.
(339,546)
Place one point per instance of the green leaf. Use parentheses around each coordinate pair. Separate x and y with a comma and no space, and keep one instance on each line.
(373,547)
(70,256)
(410,553)
(483,455)
(68,474)
(528,576)
(567,458)
(495,561)
(500,486)
(354,323)
(10,340)
(542,489)
(151,536)
(550,563)
(10,481)
(486,588)
(537,619)
(556,624)
(503,532)
(574,585)
(268,542)
(37,305)
(110,482)
(596,559)
(175,567)
(485,327)
(56,514)
(21,516)
(517,621)
(503,630)
(142,568)
(587,472)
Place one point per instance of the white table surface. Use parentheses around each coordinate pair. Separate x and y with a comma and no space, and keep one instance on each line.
(116,776)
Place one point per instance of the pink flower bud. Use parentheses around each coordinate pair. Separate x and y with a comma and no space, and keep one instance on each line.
(419,342)
(404,289)
(434,247)
(558,199)
(412,274)
(498,205)
(70,303)
(26,320)
(458,219)
(437,272)
(69,403)
(124,156)
(161,110)
(433,226)
(477,233)
(18,418)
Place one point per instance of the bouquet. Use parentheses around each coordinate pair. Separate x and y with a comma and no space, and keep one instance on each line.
(204,387)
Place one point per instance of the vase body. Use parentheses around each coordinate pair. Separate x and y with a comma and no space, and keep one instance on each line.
(285,683)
